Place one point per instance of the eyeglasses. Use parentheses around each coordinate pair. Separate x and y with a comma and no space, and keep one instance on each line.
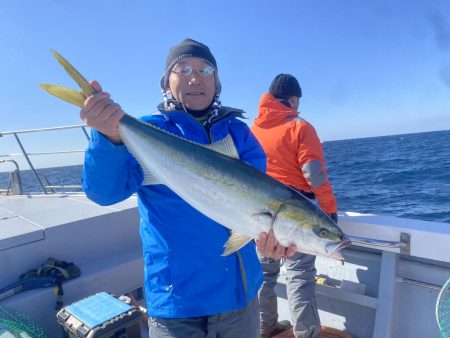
(186,70)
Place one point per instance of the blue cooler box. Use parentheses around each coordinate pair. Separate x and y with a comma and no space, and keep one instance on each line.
(101,316)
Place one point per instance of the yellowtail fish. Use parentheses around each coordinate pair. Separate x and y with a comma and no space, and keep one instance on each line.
(213,180)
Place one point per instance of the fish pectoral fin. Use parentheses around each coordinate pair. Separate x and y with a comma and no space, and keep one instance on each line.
(225,147)
(263,216)
(265,219)
(67,94)
(235,242)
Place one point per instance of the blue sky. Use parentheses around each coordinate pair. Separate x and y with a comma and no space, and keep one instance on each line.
(366,68)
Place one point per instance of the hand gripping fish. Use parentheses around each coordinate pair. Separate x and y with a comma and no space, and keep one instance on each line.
(213,180)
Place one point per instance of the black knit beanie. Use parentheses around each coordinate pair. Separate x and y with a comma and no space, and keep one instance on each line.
(187,48)
(284,86)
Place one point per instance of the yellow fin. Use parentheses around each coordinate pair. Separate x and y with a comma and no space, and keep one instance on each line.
(235,242)
(74,74)
(66,94)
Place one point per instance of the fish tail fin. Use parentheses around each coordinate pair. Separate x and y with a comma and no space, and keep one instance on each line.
(74,74)
(69,95)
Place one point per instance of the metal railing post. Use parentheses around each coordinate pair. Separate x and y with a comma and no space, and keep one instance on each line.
(14,182)
(29,163)
(86,133)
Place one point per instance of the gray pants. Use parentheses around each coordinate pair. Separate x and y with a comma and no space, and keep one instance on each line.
(239,323)
(300,287)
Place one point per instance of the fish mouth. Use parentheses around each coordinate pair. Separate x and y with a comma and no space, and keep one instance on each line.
(334,248)
(344,244)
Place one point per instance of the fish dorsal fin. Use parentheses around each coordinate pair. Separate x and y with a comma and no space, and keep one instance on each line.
(235,242)
(225,147)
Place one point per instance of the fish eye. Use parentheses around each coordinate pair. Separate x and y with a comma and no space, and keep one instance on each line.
(323,232)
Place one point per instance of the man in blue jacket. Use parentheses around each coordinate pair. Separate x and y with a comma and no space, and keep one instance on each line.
(192,291)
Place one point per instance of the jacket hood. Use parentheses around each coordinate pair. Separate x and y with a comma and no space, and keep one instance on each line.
(272,112)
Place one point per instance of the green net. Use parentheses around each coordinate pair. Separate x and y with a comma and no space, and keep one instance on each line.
(443,310)
(14,324)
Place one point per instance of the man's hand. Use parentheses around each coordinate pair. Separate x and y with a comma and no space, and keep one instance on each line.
(268,246)
(102,113)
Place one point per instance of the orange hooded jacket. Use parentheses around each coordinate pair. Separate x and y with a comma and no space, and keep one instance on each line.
(293,149)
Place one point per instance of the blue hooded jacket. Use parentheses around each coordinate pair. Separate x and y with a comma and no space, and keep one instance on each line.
(185,274)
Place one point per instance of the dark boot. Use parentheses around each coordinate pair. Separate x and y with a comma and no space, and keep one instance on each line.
(280,327)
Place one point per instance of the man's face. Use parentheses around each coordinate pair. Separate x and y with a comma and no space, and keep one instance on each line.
(195,90)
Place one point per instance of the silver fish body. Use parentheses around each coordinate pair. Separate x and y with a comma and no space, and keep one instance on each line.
(230,191)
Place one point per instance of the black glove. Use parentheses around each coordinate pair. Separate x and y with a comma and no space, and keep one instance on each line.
(334,217)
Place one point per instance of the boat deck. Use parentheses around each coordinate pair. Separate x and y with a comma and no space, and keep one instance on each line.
(376,293)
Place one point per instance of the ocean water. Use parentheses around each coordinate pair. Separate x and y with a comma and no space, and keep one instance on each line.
(402,175)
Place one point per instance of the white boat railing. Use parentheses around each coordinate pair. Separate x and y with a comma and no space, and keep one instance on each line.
(14,184)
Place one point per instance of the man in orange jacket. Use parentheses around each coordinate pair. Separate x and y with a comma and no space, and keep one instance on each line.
(294,157)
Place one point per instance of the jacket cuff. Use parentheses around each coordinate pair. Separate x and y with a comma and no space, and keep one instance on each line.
(100,141)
